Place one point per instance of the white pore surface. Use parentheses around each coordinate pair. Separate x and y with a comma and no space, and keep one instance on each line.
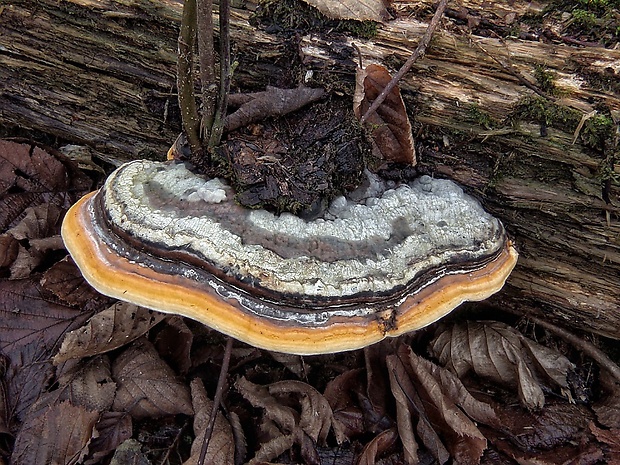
(435,222)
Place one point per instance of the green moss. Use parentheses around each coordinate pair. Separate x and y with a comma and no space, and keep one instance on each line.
(596,131)
(480,117)
(541,110)
(591,20)
(545,79)
(584,18)
(361,29)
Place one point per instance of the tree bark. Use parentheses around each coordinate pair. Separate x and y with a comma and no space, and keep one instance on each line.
(102,73)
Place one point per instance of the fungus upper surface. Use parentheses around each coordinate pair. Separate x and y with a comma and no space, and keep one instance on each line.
(390,261)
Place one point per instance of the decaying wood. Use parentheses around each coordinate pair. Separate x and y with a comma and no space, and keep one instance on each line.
(102,73)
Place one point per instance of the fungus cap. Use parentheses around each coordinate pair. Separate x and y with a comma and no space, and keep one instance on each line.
(391,261)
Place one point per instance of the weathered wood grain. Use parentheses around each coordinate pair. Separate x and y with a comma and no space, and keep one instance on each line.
(101,73)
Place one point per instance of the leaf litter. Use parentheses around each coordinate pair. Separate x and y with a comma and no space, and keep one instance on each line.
(120,375)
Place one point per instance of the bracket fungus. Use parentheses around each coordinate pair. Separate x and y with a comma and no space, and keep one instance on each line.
(390,261)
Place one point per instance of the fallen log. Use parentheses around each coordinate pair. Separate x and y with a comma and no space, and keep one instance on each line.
(528,126)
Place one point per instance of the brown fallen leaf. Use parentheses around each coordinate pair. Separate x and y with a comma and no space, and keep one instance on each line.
(30,176)
(442,408)
(37,234)
(112,429)
(381,443)
(360,10)
(221,450)
(307,426)
(110,329)
(610,437)
(348,415)
(66,282)
(389,126)
(174,343)
(498,352)
(9,249)
(32,322)
(555,435)
(147,387)
(60,435)
(607,409)
(88,383)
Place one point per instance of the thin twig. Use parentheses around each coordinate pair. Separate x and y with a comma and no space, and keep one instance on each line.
(222,103)
(216,400)
(206,58)
(419,51)
(185,81)
(587,347)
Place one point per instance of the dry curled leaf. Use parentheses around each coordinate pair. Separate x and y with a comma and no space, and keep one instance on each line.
(610,437)
(60,435)
(381,443)
(435,405)
(307,426)
(498,352)
(34,237)
(221,450)
(147,387)
(348,415)
(360,10)
(389,126)
(30,176)
(554,435)
(112,429)
(110,329)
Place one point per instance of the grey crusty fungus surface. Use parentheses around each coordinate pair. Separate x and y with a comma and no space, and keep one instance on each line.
(385,261)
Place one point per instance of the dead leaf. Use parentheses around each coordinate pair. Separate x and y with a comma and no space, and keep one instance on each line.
(312,419)
(498,352)
(607,409)
(30,176)
(611,438)
(32,322)
(389,125)
(147,387)
(88,384)
(110,329)
(36,234)
(381,443)
(221,450)
(65,280)
(437,401)
(294,363)
(61,435)
(316,414)
(408,402)
(555,435)
(9,249)
(113,428)
(174,343)
(360,10)
(348,415)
